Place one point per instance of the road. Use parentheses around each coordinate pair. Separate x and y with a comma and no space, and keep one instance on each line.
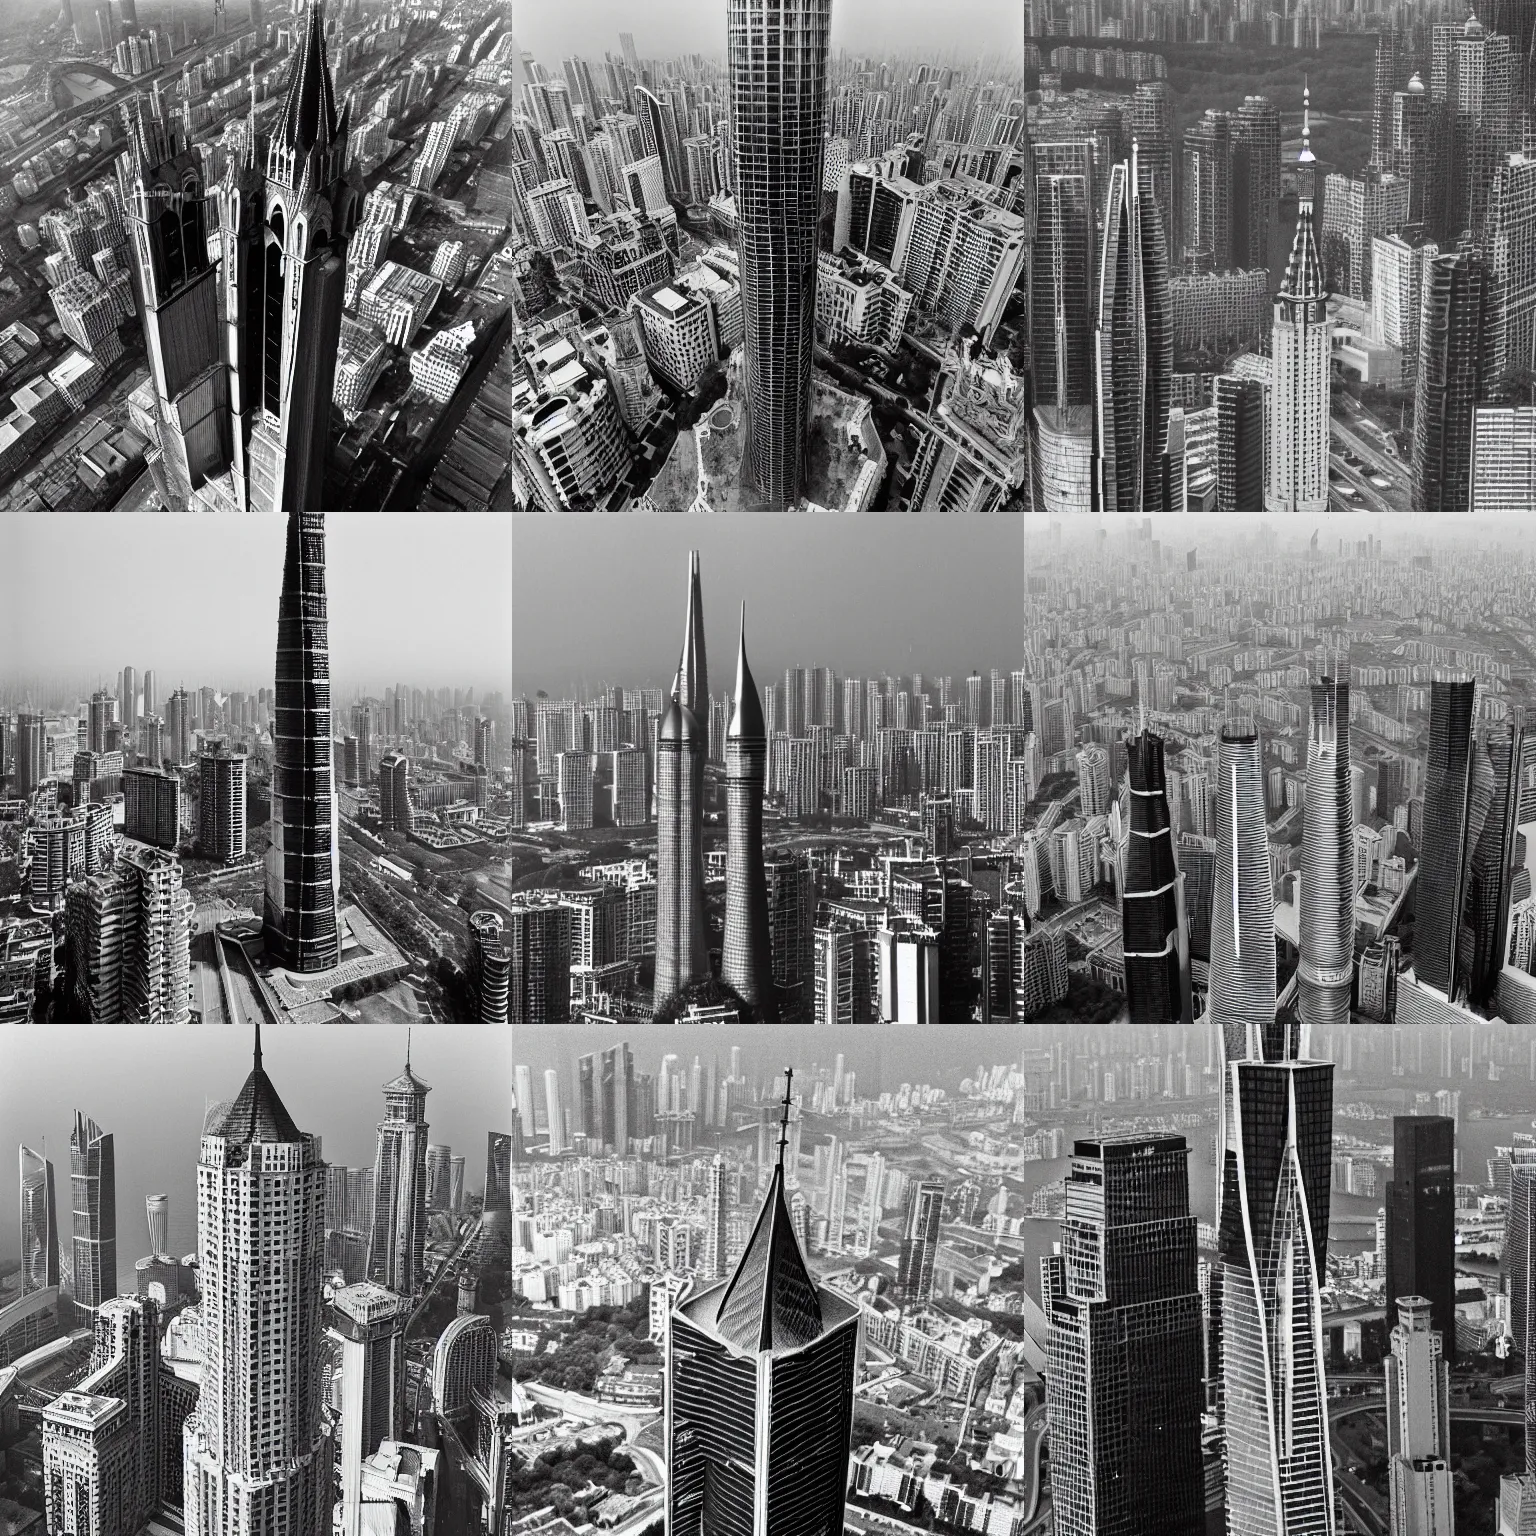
(589,1408)
(1352,433)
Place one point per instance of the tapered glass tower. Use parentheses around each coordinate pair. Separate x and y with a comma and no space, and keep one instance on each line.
(400,1187)
(759,1403)
(778,110)
(303,870)
(1156,953)
(39,1224)
(1446,846)
(747,960)
(1327,863)
(682,743)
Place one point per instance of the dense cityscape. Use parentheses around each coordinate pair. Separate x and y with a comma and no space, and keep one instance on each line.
(190,852)
(1248,772)
(328,1350)
(1147,258)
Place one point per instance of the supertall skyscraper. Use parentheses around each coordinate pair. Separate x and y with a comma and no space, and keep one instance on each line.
(303,866)
(1125,1350)
(1327,863)
(759,1403)
(257,1450)
(920,1239)
(1296,451)
(1133,348)
(682,941)
(1274,1242)
(160,176)
(288,208)
(39,1223)
(1446,845)
(747,953)
(1241,1001)
(93,1200)
(1454,335)
(777,106)
(1418,1424)
(1421,1220)
(400,1187)
(1151,905)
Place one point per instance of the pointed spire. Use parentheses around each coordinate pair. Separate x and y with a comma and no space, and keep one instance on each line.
(691,688)
(309,111)
(789,1077)
(256,1064)
(746,709)
(1306,157)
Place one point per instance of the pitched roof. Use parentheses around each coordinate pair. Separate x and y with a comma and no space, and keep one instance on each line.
(771,1301)
(309,113)
(257,1114)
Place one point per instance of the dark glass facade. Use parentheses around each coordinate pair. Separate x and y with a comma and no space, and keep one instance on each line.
(1149,908)
(1421,1220)
(1443,857)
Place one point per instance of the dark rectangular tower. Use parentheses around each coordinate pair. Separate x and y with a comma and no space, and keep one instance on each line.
(1421,1220)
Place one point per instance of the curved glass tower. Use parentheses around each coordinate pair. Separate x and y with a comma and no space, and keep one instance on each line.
(1327,863)
(39,1224)
(778,111)
(303,860)
(747,960)
(1151,930)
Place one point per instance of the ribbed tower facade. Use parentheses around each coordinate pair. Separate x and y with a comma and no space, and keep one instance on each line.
(257,1453)
(287,210)
(778,111)
(1296,477)
(1327,863)
(747,957)
(1133,370)
(1276,1167)
(759,1402)
(682,744)
(93,1202)
(1445,847)
(1241,1000)
(399,1235)
(303,864)
(1152,927)
(161,178)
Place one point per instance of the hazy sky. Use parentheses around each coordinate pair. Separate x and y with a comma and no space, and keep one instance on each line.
(415,597)
(602,599)
(962,29)
(148,1086)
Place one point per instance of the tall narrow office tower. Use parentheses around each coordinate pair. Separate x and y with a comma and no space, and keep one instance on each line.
(777,105)
(1152,930)
(257,1447)
(1506,757)
(157,1214)
(370,1323)
(1241,1001)
(1327,863)
(1296,451)
(400,1187)
(161,178)
(39,1224)
(554,1113)
(920,1239)
(1274,1241)
(747,955)
(1125,1349)
(1133,369)
(716,1215)
(288,210)
(759,1402)
(1421,1220)
(682,743)
(303,867)
(1445,847)
(93,1199)
(1418,1425)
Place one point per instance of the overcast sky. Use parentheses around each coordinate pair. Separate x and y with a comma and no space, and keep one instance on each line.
(415,597)
(602,599)
(957,29)
(148,1087)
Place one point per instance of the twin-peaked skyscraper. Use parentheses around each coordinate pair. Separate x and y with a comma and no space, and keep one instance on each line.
(682,744)
(243,402)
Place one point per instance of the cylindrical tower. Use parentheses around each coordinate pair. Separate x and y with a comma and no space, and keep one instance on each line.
(158,1209)
(681,956)
(1327,863)
(1149,907)
(747,957)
